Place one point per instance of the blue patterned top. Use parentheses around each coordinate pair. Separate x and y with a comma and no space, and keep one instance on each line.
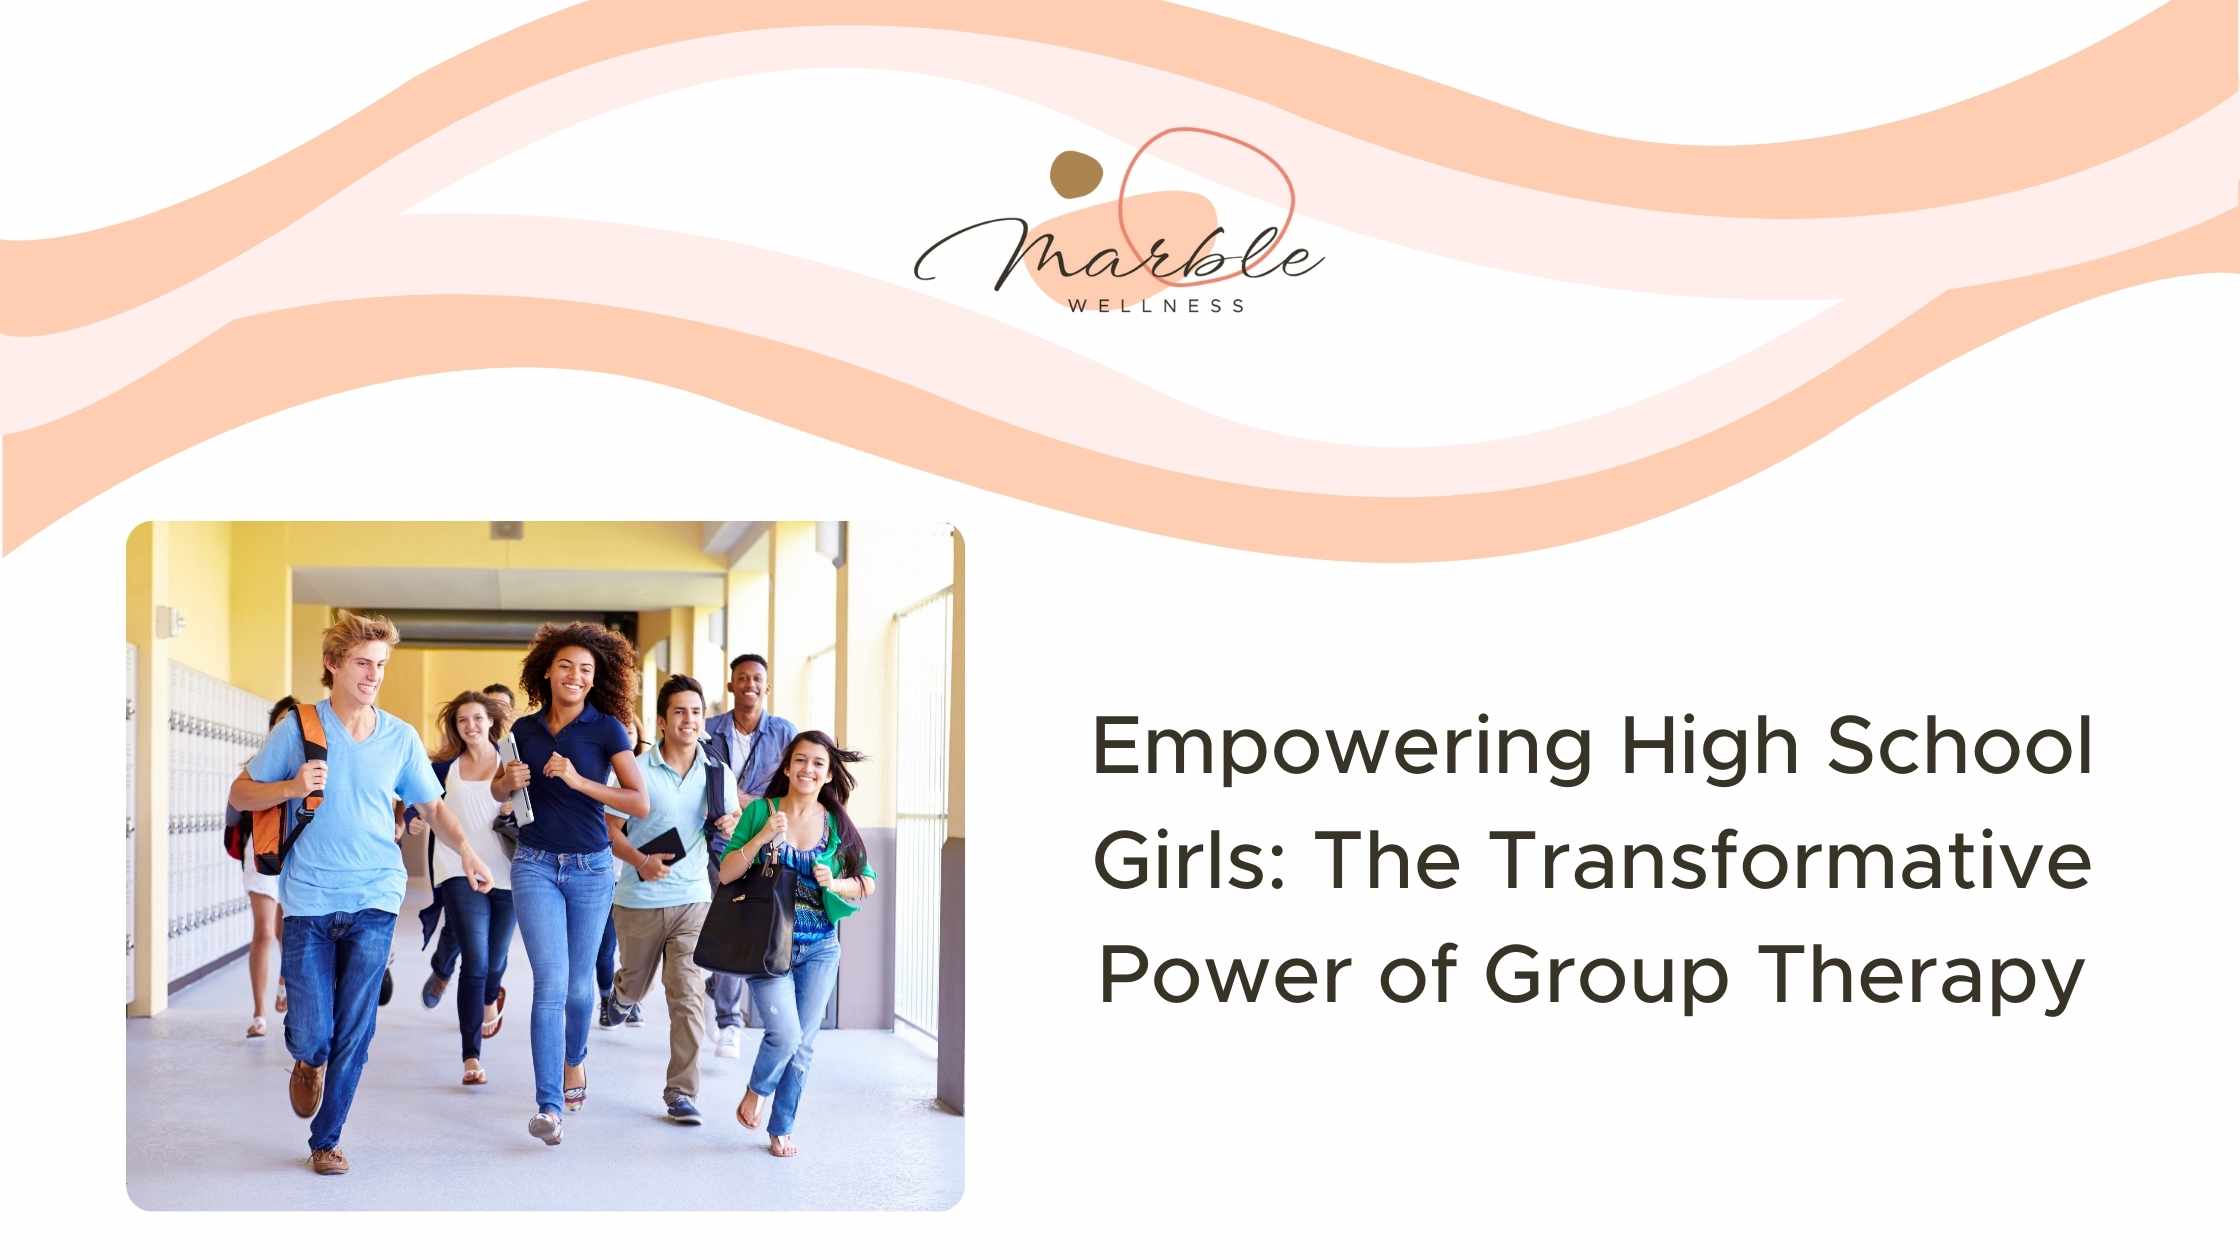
(810,923)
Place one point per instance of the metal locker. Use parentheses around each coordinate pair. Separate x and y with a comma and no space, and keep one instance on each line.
(131,806)
(215,728)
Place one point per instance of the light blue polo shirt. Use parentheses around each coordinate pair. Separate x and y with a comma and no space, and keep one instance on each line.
(679,801)
(347,859)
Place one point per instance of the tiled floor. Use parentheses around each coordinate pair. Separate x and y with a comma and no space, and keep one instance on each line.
(209,1124)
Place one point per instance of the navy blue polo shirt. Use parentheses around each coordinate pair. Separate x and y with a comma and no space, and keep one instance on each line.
(567,821)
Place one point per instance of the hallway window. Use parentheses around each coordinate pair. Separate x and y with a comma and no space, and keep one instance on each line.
(921,806)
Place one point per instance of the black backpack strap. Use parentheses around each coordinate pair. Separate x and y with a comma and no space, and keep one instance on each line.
(717,745)
(715,783)
(314,734)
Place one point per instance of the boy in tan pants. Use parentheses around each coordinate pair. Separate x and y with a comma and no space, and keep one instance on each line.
(661,898)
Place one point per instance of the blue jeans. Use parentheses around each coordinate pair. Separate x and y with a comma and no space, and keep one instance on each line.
(482,923)
(791,1008)
(446,959)
(726,992)
(332,964)
(607,949)
(562,901)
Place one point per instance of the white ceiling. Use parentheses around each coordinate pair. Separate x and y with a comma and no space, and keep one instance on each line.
(504,590)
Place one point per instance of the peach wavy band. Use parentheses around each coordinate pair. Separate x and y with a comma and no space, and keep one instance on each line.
(904,334)
(265,363)
(2122,93)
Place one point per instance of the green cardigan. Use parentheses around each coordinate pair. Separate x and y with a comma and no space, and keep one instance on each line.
(757,812)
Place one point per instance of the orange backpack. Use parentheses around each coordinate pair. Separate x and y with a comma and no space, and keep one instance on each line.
(265,832)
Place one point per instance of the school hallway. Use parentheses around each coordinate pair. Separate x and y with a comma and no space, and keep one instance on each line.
(210,1126)
(850,629)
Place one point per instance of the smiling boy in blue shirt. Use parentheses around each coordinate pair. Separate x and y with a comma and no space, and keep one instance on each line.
(342,883)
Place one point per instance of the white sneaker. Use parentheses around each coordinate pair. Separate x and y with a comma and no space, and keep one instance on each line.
(727,1043)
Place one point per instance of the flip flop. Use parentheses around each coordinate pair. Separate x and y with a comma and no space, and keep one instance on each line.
(473,1076)
(575,1095)
(256,1025)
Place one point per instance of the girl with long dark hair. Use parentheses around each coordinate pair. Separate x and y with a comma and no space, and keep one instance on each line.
(803,815)
(583,680)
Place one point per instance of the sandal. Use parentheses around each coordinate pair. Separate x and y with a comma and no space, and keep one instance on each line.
(256,1025)
(474,1076)
(574,1095)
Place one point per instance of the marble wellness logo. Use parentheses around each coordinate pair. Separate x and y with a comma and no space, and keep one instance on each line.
(1141,252)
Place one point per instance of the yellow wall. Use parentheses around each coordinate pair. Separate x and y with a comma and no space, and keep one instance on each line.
(147,555)
(705,661)
(453,670)
(803,616)
(309,621)
(656,626)
(630,545)
(404,688)
(261,609)
(684,631)
(430,677)
(198,582)
(142,571)
(233,583)
(747,608)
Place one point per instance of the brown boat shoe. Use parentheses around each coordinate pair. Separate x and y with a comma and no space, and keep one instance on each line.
(306,1086)
(329,1162)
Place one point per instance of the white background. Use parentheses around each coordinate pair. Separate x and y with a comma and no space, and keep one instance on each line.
(2038,530)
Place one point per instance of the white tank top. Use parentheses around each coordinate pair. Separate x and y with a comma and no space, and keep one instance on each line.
(471,804)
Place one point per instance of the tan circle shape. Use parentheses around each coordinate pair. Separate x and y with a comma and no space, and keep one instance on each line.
(1075,174)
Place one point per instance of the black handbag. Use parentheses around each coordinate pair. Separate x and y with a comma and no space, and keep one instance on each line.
(508,832)
(749,928)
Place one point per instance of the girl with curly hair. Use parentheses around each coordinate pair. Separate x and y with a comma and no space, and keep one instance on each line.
(582,681)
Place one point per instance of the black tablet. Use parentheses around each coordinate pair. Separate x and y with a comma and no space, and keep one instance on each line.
(667,845)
